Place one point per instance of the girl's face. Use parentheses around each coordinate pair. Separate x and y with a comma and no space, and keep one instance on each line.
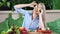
(37,8)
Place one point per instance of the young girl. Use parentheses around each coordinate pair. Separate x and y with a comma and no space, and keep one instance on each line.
(31,17)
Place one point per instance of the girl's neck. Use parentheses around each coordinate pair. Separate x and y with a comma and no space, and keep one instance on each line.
(34,15)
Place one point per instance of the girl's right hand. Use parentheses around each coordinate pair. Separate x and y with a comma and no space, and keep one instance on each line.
(33,4)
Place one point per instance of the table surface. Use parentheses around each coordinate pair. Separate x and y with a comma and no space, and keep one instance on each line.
(40,33)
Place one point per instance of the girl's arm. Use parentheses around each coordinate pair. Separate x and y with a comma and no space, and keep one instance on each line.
(41,20)
(19,7)
(25,5)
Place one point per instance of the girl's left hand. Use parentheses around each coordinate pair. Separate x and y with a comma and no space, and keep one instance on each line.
(41,11)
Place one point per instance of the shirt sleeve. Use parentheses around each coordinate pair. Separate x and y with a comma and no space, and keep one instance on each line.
(30,12)
(20,10)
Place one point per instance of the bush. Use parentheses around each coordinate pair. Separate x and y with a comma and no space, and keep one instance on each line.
(11,3)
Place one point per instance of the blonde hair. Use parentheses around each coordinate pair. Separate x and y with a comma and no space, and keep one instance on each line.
(43,6)
(43,15)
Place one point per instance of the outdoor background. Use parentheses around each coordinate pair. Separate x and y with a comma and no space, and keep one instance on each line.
(7,5)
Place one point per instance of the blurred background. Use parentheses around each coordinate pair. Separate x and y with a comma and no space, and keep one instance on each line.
(8,4)
(9,17)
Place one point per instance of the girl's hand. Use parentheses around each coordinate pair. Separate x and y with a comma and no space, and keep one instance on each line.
(41,11)
(33,4)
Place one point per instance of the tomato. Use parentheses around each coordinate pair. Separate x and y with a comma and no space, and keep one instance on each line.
(20,28)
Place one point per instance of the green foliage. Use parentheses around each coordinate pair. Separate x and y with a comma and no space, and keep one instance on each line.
(3,32)
(48,3)
(11,3)
(4,3)
(8,4)
(13,29)
(1,4)
(54,26)
(56,4)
